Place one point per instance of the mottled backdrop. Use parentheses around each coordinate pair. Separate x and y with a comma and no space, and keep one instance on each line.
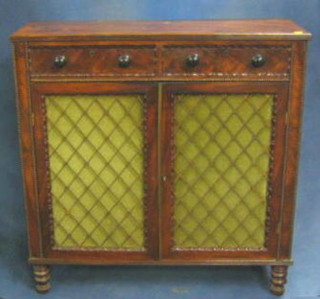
(152,282)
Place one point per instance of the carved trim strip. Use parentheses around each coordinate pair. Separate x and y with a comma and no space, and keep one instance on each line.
(109,249)
(218,249)
(172,174)
(48,176)
(146,155)
(151,46)
(157,79)
(92,75)
(271,168)
(218,74)
(288,47)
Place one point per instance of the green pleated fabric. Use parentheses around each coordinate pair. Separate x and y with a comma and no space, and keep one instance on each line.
(96,170)
(221,166)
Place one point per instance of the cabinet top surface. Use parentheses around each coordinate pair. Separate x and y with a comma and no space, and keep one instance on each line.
(254,29)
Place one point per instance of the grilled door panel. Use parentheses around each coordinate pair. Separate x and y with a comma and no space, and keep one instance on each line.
(94,144)
(221,186)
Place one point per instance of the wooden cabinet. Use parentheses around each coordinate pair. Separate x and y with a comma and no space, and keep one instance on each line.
(163,143)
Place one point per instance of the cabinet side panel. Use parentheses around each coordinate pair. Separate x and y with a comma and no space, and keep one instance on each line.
(292,147)
(26,148)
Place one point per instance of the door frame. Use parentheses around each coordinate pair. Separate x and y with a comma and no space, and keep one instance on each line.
(280,90)
(149,92)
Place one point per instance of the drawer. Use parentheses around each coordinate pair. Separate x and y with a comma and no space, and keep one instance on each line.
(227,61)
(93,61)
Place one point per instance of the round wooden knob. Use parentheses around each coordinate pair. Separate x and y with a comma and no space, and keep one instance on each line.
(60,61)
(124,60)
(258,60)
(193,60)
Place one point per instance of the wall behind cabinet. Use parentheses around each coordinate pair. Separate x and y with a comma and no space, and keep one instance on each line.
(155,282)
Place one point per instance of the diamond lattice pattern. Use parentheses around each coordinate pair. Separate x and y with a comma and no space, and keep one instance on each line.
(222,150)
(96,170)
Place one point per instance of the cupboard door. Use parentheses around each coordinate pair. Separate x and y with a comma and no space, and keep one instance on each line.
(222,152)
(96,174)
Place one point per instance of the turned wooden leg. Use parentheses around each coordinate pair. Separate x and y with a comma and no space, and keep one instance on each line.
(42,278)
(278,279)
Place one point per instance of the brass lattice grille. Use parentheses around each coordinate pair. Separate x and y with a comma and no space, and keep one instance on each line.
(96,170)
(222,147)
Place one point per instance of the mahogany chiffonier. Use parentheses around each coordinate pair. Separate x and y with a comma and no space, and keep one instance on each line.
(160,142)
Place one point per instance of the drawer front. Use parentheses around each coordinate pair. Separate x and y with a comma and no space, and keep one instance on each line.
(93,61)
(272,62)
